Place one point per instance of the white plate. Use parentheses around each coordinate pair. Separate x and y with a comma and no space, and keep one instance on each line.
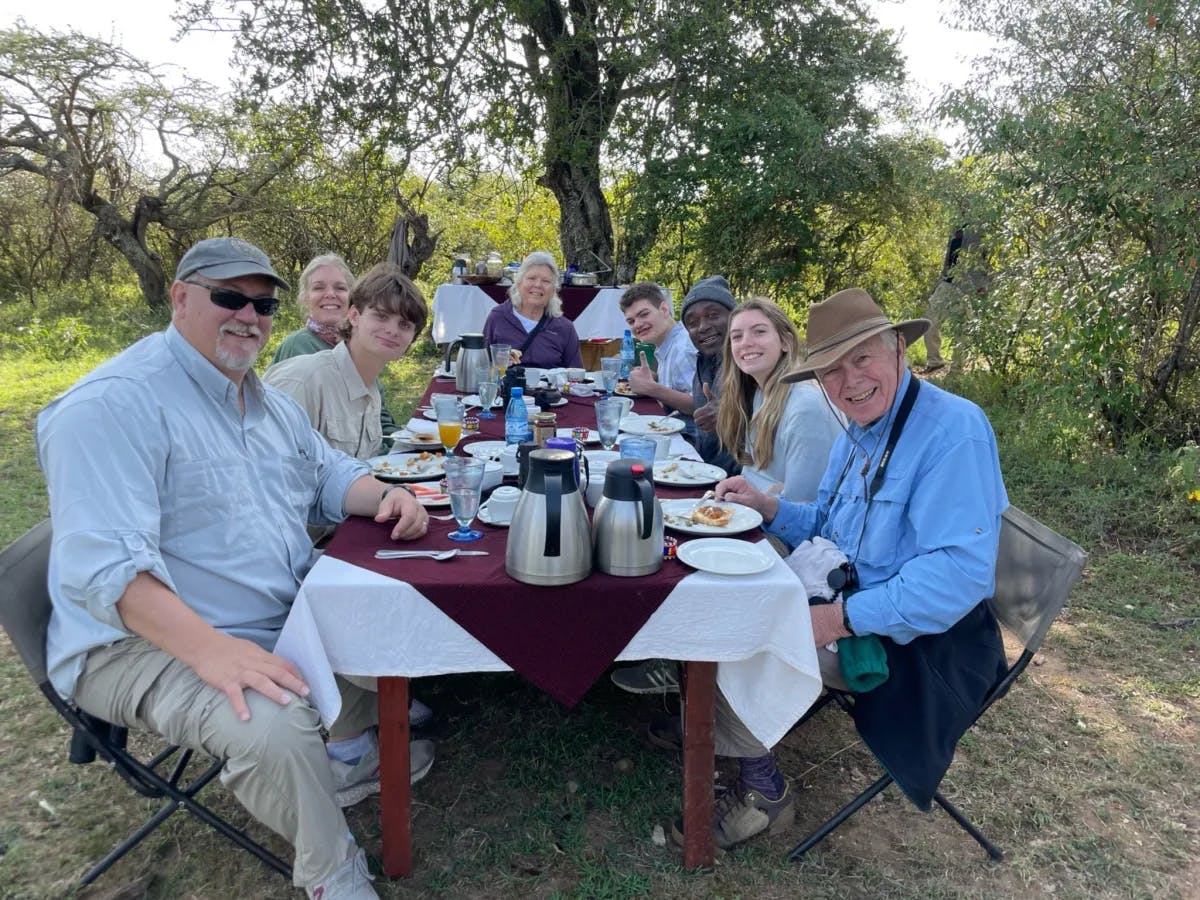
(637,424)
(726,556)
(435,499)
(593,436)
(686,471)
(484,449)
(404,438)
(408,466)
(473,400)
(485,516)
(744,518)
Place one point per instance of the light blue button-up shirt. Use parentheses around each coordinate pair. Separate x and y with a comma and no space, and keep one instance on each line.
(925,546)
(152,467)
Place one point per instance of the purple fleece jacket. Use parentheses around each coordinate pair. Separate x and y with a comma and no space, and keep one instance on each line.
(556,345)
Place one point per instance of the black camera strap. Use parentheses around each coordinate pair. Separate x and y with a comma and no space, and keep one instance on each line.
(906,405)
(542,322)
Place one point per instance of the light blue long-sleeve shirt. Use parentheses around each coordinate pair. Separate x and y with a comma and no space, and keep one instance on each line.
(927,553)
(151,467)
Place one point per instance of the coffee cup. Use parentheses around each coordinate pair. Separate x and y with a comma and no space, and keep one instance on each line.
(626,405)
(533,377)
(502,504)
(575,375)
(493,474)
(508,460)
(595,488)
(662,445)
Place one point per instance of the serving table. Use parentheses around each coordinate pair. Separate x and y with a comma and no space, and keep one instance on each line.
(463,309)
(398,619)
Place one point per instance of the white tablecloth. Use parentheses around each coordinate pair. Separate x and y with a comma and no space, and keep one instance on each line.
(459,309)
(602,318)
(463,308)
(350,620)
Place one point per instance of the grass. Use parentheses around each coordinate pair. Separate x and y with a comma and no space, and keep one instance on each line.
(1086,775)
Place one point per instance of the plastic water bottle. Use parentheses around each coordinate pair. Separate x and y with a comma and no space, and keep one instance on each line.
(628,357)
(516,419)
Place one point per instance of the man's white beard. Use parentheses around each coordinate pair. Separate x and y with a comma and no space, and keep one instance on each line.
(242,359)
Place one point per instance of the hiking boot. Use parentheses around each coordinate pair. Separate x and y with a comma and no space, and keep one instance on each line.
(653,676)
(360,780)
(741,814)
(351,882)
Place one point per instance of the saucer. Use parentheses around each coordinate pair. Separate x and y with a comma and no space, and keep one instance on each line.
(485,516)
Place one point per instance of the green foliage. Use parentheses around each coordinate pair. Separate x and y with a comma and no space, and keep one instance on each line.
(1086,123)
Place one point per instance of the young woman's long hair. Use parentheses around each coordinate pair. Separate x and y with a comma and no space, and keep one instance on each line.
(737,390)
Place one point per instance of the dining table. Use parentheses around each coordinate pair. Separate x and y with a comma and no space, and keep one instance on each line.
(749,634)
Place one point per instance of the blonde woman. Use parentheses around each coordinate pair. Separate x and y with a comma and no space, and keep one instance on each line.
(531,320)
(780,433)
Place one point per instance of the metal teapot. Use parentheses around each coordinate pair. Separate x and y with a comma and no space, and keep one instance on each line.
(472,359)
(628,522)
(550,540)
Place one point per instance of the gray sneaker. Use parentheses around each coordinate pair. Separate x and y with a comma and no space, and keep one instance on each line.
(653,676)
(360,780)
(740,814)
(351,882)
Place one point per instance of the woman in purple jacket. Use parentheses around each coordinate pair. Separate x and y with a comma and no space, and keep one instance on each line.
(531,319)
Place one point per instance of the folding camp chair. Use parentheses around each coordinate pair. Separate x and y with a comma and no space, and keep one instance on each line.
(25,615)
(1035,571)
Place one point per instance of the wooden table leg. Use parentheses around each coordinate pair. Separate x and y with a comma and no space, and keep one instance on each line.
(395,792)
(700,685)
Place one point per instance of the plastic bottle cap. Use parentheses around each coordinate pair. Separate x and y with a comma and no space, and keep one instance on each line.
(518,392)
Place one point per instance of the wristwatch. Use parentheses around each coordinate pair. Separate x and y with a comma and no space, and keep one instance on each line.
(391,487)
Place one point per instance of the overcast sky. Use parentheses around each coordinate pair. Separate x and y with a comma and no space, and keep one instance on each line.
(936,55)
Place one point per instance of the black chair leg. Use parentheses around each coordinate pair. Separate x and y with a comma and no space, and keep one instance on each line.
(164,812)
(841,816)
(992,850)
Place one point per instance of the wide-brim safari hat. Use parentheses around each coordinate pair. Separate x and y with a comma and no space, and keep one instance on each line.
(842,322)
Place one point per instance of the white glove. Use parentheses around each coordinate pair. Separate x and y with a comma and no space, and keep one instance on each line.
(812,562)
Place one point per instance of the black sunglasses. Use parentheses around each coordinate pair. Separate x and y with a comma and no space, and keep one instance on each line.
(235,300)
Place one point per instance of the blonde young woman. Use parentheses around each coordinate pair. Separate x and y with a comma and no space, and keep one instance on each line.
(781,433)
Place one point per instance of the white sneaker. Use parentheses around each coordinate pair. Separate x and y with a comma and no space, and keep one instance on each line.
(351,882)
(358,781)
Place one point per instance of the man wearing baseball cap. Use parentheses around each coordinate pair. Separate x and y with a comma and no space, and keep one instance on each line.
(180,488)
(907,516)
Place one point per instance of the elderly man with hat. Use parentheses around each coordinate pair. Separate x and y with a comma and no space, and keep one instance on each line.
(907,523)
(180,488)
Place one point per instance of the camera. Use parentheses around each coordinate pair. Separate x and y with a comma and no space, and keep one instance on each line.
(844,579)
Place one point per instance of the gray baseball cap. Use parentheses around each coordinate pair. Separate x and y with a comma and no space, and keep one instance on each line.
(227,257)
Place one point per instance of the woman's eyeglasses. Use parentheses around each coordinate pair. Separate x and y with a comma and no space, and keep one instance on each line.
(235,300)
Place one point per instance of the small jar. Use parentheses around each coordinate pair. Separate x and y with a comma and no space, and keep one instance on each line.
(471,424)
(545,426)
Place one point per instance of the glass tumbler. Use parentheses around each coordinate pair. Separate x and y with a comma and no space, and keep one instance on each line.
(464,484)
(608,421)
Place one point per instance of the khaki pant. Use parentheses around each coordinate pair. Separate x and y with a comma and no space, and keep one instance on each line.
(732,738)
(275,764)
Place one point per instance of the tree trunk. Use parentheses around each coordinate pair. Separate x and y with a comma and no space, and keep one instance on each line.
(121,233)
(584,226)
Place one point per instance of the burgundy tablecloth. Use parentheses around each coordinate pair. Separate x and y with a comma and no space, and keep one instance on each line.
(560,638)
(575,299)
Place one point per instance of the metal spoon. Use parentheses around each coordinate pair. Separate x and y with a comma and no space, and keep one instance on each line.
(439,555)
